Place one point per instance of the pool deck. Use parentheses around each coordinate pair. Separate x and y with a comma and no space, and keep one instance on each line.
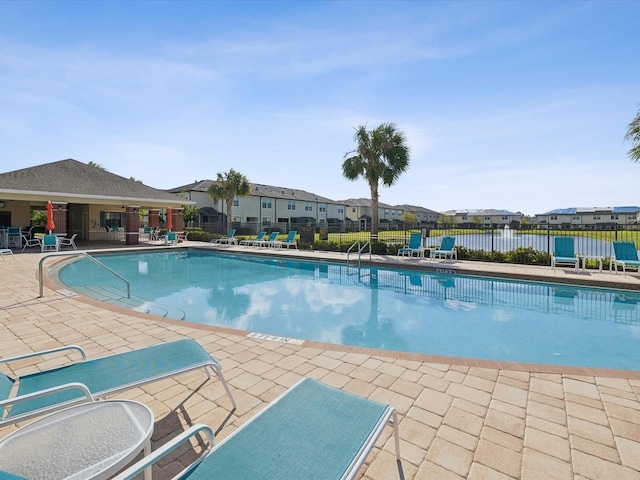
(459,418)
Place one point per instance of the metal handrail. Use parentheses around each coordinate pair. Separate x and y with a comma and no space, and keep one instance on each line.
(77,254)
(360,250)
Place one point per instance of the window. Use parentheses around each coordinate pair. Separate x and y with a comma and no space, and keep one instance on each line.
(266,203)
(341,209)
(553,217)
(353,209)
(596,217)
(386,211)
(464,217)
(236,201)
(252,219)
(236,219)
(322,207)
(291,205)
(321,221)
(487,219)
(308,207)
(393,213)
(576,217)
(112,219)
(505,218)
(614,217)
(266,220)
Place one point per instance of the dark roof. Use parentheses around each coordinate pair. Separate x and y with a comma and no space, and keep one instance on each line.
(259,190)
(73,178)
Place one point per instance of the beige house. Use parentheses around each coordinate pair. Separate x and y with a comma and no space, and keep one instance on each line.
(359,211)
(265,206)
(86,200)
(484,217)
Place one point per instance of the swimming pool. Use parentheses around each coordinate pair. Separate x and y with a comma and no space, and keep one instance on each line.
(408,311)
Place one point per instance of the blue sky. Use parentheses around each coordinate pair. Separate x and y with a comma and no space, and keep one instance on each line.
(511,104)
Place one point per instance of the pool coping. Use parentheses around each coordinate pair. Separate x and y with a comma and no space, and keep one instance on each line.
(425,358)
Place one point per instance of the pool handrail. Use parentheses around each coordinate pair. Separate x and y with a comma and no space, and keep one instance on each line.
(77,254)
(360,250)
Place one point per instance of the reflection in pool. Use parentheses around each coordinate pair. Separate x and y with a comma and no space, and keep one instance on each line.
(408,311)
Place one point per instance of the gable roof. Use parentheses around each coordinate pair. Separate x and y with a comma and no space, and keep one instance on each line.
(260,190)
(74,181)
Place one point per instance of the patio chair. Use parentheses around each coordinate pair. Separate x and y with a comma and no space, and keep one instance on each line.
(289,241)
(68,242)
(14,237)
(625,254)
(30,242)
(6,251)
(311,431)
(250,241)
(414,246)
(564,253)
(266,242)
(171,238)
(101,377)
(446,250)
(49,242)
(229,239)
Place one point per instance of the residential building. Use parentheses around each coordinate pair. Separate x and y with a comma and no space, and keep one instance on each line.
(266,206)
(596,218)
(359,211)
(484,217)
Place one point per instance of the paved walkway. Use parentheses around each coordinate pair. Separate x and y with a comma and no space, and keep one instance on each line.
(457,419)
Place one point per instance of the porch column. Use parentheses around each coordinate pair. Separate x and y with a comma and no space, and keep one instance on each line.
(154,218)
(60,217)
(132,224)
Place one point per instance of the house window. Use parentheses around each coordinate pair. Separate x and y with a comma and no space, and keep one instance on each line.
(341,209)
(308,207)
(266,220)
(291,205)
(252,219)
(596,217)
(505,218)
(236,219)
(487,219)
(266,203)
(614,217)
(464,217)
(576,217)
(553,217)
(236,201)
(322,207)
(353,209)
(386,211)
(321,221)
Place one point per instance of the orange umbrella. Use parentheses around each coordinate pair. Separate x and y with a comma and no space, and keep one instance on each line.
(50,225)
(169,220)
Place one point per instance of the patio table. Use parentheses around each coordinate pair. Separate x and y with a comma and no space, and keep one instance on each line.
(92,440)
(584,259)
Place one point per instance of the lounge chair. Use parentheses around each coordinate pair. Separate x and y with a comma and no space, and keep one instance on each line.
(564,253)
(266,242)
(69,242)
(312,431)
(625,254)
(31,242)
(229,239)
(250,241)
(415,246)
(101,377)
(289,241)
(49,242)
(447,249)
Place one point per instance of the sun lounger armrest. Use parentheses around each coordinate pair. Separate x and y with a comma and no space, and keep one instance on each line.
(46,352)
(88,397)
(167,448)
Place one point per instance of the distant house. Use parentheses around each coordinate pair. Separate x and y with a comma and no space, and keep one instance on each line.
(86,199)
(265,206)
(359,212)
(485,217)
(596,218)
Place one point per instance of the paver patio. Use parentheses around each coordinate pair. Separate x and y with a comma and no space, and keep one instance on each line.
(458,418)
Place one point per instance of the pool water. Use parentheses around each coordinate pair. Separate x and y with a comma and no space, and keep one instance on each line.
(408,311)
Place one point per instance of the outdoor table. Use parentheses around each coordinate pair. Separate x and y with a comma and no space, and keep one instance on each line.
(92,440)
(584,259)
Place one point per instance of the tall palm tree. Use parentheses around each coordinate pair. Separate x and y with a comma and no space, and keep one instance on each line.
(381,156)
(228,185)
(633,135)
(97,165)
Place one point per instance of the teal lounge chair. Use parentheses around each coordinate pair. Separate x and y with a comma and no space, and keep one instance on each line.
(415,246)
(446,250)
(312,431)
(229,239)
(266,242)
(171,238)
(289,241)
(101,377)
(625,254)
(258,238)
(564,253)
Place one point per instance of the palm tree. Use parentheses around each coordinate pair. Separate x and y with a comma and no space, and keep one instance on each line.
(97,165)
(381,155)
(227,186)
(633,135)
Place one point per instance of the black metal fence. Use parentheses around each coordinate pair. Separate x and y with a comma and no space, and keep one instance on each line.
(515,244)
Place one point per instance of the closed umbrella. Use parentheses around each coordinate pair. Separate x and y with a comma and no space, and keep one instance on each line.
(169,220)
(50,225)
